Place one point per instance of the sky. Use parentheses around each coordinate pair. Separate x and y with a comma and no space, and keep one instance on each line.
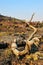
(22,9)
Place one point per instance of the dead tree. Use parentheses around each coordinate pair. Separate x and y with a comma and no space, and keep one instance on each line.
(29,42)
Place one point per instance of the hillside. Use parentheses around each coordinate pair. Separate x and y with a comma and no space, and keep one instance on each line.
(11,28)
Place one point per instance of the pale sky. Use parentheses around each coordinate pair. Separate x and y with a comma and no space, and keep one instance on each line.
(22,9)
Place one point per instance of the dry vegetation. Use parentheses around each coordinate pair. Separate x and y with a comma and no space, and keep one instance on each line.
(11,28)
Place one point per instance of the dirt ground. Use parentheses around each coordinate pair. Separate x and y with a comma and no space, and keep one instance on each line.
(8,58)
(7,36)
